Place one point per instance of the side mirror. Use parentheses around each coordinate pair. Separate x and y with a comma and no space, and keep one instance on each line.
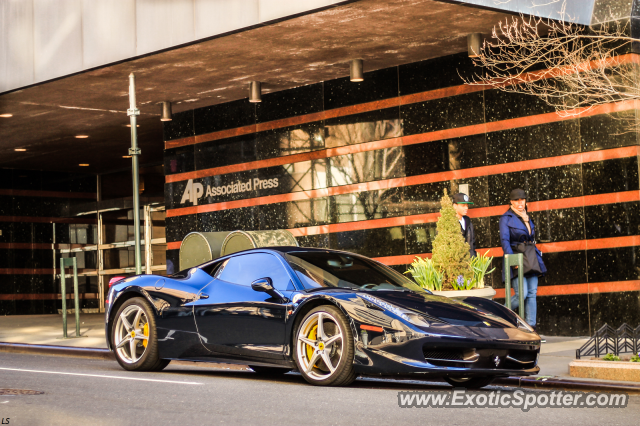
(264,285)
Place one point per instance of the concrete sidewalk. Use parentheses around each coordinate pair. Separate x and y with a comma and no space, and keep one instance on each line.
(554,361)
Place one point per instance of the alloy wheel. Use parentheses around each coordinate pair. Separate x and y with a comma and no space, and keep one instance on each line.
(131,334)
(320,345)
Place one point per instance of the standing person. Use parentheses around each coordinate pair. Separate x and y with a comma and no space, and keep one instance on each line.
(461,205)
(516,227)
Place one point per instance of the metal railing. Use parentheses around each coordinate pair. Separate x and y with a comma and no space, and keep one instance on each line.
(608,340)
(509,261)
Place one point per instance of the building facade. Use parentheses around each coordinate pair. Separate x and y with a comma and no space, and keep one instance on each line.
(361,167)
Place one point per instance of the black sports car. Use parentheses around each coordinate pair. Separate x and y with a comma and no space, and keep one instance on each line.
(329,314)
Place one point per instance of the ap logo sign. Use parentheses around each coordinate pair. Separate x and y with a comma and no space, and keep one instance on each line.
(192,192)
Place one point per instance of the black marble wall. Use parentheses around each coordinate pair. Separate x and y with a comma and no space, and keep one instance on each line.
(401,180)
(33,206)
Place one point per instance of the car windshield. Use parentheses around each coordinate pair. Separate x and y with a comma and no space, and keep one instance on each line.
(327,269)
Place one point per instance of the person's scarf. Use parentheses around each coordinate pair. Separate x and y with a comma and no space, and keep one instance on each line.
(524,216)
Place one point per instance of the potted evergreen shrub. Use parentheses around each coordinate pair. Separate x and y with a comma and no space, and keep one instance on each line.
(451,272)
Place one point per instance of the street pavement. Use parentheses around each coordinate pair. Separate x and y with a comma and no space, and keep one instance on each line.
(95,392)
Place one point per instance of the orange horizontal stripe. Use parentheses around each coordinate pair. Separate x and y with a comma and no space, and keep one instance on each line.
(174,246)
(413,180)
(588,200)
(52,194)
(388,103)
(588,288)
(324,115)
(28,246)
(402,141)
(27,271)
(45,296)
(41,246)
(37,219)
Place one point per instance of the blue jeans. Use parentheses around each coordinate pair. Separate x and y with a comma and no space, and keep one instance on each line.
(530,288)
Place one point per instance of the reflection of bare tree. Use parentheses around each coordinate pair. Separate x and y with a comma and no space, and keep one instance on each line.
(365,167)
(581,66)
(305,176)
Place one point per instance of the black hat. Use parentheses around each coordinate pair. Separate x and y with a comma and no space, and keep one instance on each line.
(518,194)
(461,198)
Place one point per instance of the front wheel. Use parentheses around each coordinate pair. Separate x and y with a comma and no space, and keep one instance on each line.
(469,382)
(134,337)
(324,348)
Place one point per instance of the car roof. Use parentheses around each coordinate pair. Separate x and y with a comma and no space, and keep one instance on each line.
(280,249)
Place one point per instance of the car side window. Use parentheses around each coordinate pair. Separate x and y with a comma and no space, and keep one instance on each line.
(247,268)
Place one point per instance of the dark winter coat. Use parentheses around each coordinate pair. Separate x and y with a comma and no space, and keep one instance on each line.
(513,231)
(469,235)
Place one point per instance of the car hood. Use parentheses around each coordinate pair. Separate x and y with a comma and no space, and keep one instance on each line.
(443,308)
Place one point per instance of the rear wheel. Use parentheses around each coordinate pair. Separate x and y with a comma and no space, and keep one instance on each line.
(469,382)
(324,348)
(269,371)
(134,337)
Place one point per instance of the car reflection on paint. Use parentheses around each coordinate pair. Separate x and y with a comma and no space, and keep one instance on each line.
(328,314)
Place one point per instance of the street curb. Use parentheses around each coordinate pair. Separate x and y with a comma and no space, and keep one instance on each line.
(556,383)
(527,382)
(24,348)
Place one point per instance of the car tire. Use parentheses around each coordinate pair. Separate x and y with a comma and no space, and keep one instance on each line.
(469,382)
(323,347)
(135,322)
(269,371)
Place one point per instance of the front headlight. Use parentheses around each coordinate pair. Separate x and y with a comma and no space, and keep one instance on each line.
(405,314)
(522,325)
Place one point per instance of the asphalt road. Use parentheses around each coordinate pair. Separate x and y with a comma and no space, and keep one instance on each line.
(91,392)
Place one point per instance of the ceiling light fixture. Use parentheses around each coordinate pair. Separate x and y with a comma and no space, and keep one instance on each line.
(82,136)
(6,115)
(129,125)
(20,149)
(126,156)
(167,115)
(356,74)
(83,165)
(255,92)
(474,44)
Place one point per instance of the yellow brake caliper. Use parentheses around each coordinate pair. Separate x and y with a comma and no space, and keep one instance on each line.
(313,334)
(145,331)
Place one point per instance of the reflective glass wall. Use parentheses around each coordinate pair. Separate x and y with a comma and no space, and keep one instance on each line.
(361,167)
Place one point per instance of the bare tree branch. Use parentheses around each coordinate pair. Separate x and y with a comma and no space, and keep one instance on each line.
(570,67)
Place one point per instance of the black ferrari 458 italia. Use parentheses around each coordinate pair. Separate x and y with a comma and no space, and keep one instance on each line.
(328,314)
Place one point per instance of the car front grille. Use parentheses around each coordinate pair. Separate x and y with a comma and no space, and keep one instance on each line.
(486,358)
(443,354)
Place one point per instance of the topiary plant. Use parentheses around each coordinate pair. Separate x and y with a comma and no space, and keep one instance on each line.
(450,251)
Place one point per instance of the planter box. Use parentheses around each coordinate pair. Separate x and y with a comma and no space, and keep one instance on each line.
(487,293)
(605,370)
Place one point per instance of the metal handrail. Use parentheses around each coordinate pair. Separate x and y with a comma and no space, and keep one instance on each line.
(509,261)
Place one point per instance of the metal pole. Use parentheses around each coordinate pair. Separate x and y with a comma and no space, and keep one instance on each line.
(76,295)
(134,151)
(148,253)
(63,290)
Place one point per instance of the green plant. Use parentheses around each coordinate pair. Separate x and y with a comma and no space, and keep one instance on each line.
(450,251)
(635,358)
(611,357)
(462,284)
(479,265)
(425,274)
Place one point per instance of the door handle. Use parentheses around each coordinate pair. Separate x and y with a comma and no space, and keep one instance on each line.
(203,296)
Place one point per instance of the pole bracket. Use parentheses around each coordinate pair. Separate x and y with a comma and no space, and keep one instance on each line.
(134,111)
(135,151)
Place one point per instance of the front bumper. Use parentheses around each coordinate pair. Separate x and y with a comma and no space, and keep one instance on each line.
(449,351)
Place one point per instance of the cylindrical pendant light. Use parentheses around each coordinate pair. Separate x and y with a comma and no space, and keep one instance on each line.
(474,44)
(167,115)
(356,73)
(255,92)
